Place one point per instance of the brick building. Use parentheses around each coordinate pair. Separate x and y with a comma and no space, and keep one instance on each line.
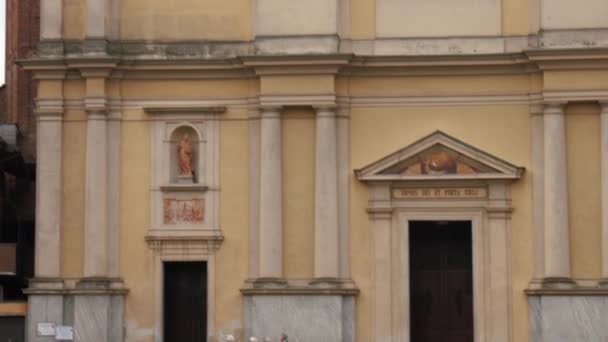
(17,165)
(17,96)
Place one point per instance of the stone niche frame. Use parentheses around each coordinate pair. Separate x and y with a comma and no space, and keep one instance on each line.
(184,242)
(483,198)
(204,121)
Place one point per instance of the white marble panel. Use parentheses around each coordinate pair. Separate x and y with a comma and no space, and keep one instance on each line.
(569,318)
(302,318)
(43,309)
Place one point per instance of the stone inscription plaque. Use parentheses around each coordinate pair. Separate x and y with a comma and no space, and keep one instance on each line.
(424,193)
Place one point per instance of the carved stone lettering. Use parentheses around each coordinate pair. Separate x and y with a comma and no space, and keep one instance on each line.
(418,193)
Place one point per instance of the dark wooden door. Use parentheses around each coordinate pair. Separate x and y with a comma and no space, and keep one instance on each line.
(441,281)
(185,301)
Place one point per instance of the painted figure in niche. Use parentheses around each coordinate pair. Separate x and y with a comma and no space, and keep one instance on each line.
(184,153)
(440,163)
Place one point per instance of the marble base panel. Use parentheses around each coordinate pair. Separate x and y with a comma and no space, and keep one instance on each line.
(95,318)
(304,318)
(44,309)
(568,318)
(98,318)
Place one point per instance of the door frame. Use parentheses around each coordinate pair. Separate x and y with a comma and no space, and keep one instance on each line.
(490,223)
(401,266)
(159,291)
(477,304)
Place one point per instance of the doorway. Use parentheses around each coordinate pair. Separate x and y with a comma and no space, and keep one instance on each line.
(185,301)
(441,281)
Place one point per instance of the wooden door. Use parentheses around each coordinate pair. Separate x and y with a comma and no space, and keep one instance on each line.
(441,281)
(185,301)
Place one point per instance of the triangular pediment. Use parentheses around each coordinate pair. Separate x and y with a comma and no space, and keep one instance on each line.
(438,156)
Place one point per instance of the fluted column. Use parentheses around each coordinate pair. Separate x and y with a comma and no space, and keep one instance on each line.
(557,240)
(604,170)
(327,248)
(270,206)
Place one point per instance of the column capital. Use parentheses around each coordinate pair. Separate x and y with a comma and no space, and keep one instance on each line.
(537,109)
(267,111)
(328,109)
(554,108)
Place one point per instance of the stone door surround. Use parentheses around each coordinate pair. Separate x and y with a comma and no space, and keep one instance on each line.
(440,178)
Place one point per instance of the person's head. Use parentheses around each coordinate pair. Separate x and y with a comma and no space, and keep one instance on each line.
(283,337)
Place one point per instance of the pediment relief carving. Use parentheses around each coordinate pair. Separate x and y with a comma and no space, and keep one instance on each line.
(438,156)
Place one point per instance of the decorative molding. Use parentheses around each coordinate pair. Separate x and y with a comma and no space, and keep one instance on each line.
(499,169)
(274,286)
(184,187)
(186,245)
(184,110)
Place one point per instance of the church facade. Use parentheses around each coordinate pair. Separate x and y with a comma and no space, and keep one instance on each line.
(332,170)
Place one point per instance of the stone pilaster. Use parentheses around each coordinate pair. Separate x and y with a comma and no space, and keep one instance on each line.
(45,301)
(271,216)
(344,173)
(381,215)
(604,182)
(538,179)
(51,17)
(96,179)
(254,190)
(557,235)
(327,248)
(113,199)
(48,189)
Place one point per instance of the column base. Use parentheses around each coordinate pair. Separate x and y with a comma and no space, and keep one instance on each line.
(557,283)
(603,283)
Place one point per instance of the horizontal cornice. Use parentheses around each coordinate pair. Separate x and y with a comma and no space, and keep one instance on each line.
(247,65)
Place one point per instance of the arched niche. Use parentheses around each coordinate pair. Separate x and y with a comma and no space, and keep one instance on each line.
(184,154)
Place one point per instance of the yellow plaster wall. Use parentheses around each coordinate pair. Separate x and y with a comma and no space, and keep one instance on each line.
(501,130)
(515,17)
(137,261)
(437,85)
(186,20)
(184,89)
(231,258)
(576,80)
(73,19)
(584,194)
(315,84)
(363,19)
(298,133)
(73,185)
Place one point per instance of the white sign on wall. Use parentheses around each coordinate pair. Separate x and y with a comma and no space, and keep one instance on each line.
(64,333)
(45,329)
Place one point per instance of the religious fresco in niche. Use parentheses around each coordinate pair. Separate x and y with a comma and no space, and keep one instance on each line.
(436,161)
(190,211)
(184,155)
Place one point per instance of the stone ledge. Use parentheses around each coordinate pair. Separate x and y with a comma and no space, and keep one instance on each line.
(575,291)
(311,287)
(184,187)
